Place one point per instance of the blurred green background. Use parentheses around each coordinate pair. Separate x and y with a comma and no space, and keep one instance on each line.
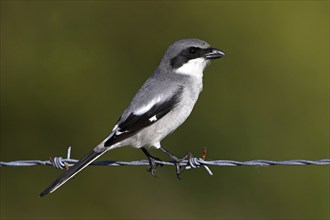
(69,68)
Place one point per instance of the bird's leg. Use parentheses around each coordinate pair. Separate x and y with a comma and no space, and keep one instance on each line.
(179,168)
(152,164)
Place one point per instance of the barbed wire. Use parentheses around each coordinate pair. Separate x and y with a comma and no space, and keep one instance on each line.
(64,163)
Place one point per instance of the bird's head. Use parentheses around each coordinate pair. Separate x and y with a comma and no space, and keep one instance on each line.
(190,56)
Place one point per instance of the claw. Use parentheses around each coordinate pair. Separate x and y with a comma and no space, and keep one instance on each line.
(153,165)
(177,162)
(180,168)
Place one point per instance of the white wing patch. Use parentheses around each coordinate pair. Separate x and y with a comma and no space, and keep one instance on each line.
(120,132)
(147,107)
(117,131)
(153,118)
(115,128)
(194,67)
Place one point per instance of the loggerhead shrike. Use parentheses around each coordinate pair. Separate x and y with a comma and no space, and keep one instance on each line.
(161,105)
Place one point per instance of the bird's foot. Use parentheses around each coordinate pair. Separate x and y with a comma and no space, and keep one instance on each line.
(177,161)
(152,162)
(180,168)
(153,165)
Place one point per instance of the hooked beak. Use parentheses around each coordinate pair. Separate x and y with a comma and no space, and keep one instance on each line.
(213,53)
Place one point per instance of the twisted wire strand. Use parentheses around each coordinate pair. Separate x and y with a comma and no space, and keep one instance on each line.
(199,161)
(194,162)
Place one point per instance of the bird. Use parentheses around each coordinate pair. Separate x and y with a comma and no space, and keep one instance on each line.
(160,106)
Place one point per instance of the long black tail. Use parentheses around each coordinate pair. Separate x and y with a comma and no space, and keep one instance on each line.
(81,164)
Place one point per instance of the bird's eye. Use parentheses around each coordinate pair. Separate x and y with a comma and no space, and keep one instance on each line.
(192,50)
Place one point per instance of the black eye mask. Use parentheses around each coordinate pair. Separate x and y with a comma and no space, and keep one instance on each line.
(188,54)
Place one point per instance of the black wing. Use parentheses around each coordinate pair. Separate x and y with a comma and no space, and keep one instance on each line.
(135,123)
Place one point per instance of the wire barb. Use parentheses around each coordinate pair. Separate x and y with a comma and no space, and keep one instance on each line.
(60,163)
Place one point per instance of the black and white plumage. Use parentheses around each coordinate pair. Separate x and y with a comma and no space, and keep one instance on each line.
(161,105)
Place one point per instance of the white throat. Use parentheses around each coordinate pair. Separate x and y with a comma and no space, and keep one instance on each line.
(193,67)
